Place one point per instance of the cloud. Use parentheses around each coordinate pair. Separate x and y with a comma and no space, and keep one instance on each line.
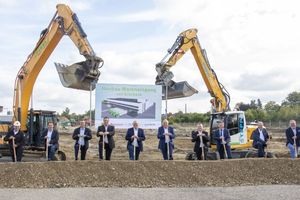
(272,81)
(246,42)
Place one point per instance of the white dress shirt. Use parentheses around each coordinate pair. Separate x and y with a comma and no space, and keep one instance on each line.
(105,136)
(135,142)
(81,137)
(261,135)
(49,134)
(167,137)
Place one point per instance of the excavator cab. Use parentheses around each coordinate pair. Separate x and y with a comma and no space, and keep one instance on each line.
(82,75)
(235,122)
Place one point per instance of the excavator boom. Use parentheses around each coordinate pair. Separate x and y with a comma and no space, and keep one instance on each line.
(82,75)
(188,40)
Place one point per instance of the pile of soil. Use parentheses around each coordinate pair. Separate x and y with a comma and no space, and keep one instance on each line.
(149,173)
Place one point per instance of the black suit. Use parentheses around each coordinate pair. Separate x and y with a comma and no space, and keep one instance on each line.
(258,143)
(197,148)
(53,143)
(83,148)
(290,134)
(19,141)
(111,143)
(220,147)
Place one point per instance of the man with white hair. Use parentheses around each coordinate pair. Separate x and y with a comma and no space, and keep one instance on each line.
(200,137)
(166,136)
(293,138)
(135,137)
(81,135)
(260,138)
(16,140)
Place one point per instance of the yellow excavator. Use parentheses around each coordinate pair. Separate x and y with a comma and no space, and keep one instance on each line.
(234,120)
(82,75)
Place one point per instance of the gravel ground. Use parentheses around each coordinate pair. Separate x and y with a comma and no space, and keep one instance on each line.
(149,174)
(266,192)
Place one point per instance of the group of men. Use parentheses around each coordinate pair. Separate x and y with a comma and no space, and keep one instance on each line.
(135,137)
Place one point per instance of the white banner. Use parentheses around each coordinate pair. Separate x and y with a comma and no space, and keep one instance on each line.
(124,103)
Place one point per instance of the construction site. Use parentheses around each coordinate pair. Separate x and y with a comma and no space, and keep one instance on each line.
(26,136)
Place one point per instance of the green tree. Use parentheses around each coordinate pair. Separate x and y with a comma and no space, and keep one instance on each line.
(66,113)
(292,99)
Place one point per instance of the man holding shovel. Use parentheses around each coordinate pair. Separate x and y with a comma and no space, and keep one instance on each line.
(106,133)
(166,136)
(293,138)
(51,137)
(16,141)
(222,137)
(260,138)
(200,137)
(135,137)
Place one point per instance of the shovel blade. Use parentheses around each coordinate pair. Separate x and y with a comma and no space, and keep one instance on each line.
(178,90)
(80,75)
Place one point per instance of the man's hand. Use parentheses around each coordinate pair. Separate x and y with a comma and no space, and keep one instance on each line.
(134,136)
(167,134)
(11,137)
(294,137)
(200,134)
(101,133)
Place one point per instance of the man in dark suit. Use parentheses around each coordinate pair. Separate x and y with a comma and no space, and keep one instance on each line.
(260,138)
(293,138)
(166,136)
(82,135)
(106,133)
(200,137)
(222,137)
(18,143)
(51,140)
(135,137)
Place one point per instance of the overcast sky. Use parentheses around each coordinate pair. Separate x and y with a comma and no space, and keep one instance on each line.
(252,45)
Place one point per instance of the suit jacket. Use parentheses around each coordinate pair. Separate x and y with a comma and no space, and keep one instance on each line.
(197,140)
(19,138)
(289,136)
(161,137)
(217,136)
(111,130)
(256,138)
(87,134)
(54,137)
(141,137)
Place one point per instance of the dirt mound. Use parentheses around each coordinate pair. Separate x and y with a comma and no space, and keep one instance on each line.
(150,173)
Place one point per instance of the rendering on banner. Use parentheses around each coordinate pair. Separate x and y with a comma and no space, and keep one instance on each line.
(124,103)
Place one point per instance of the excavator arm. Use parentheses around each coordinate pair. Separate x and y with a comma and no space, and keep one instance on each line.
(80,75)
(188,40)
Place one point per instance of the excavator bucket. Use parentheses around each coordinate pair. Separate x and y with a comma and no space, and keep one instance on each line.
(178,90)
(80,75)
